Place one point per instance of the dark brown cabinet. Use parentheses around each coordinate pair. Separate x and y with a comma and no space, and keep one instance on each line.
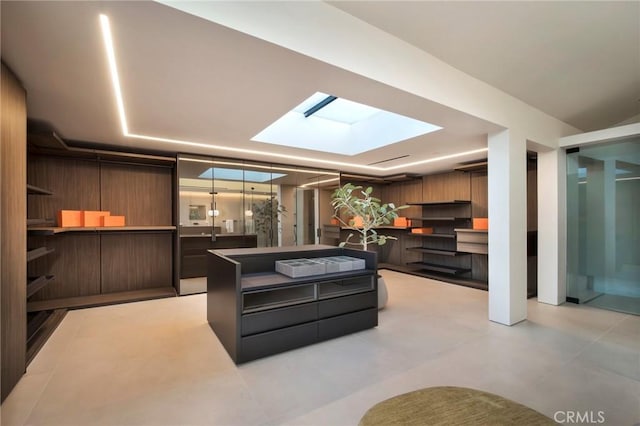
(193,251)
(256,312)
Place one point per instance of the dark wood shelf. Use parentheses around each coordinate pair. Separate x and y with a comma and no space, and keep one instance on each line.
(439,219)
(34,190)
(414,234)
(440,268)
(51,230)
(451,279)
(45,140)
(40,328)
(101,299)
(438,251)
(36,283)
(38,252)
(440,203)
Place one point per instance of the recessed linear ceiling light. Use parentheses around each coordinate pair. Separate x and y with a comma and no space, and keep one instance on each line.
(319,182)
(115,81)
(329,124)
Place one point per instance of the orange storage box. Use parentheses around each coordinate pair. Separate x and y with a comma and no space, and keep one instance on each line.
(422,231)
(401,221)
(112,220)
(358,222)
(69,218)
(93,218)
(481,223)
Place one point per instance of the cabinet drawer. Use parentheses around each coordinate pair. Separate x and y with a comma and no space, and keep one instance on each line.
(342,287)
(472,237)
(346,304)
(482,248)
(278,318)
(278,297)
(273,342)
(346,324)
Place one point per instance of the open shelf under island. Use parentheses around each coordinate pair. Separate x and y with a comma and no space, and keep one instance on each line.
(256,312)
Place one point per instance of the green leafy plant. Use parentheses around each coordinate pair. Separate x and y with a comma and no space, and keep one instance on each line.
(266,215)
(352,200)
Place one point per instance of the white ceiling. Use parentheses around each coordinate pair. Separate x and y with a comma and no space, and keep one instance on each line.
(189,79)
(578,61)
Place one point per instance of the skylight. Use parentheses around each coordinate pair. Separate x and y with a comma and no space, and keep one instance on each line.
(237,174)
(341,127)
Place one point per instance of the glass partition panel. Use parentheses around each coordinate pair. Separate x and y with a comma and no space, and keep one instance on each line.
(603,226)
(280,205)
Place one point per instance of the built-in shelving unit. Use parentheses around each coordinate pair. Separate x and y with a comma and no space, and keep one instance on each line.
(40,325)
(438,244)
(94,266)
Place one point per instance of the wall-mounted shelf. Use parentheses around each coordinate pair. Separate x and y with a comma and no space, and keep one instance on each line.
(51,230)
(438,251)
(34,190)
(101,299)
(449,236)
(38,252)
(36,283)
(440,268)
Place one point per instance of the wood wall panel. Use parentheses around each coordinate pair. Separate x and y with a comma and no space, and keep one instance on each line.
(75,264)
(136,261)
(13,246)
(411,192)
(479,195)
(141,193)
(446,187)
(480,268)
(75,185)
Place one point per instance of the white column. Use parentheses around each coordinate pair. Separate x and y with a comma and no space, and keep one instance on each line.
(552,227)
(507,177)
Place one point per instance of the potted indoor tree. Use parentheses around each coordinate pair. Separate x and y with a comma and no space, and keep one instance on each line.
(366,213)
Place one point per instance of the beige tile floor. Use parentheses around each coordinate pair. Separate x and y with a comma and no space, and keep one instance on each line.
(158,363)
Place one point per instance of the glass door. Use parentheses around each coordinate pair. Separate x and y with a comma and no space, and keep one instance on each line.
(603,226)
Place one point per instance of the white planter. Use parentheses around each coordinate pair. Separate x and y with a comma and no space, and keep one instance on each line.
(383,295)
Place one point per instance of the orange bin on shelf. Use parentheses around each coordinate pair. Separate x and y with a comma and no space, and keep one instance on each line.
(422,231)
(358,222)
(112,221)
(69,218)
(93,218)
(401,221)
(481,223)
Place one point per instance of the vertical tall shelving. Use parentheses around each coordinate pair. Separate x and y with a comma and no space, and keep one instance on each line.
(40,325)
(438,248)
